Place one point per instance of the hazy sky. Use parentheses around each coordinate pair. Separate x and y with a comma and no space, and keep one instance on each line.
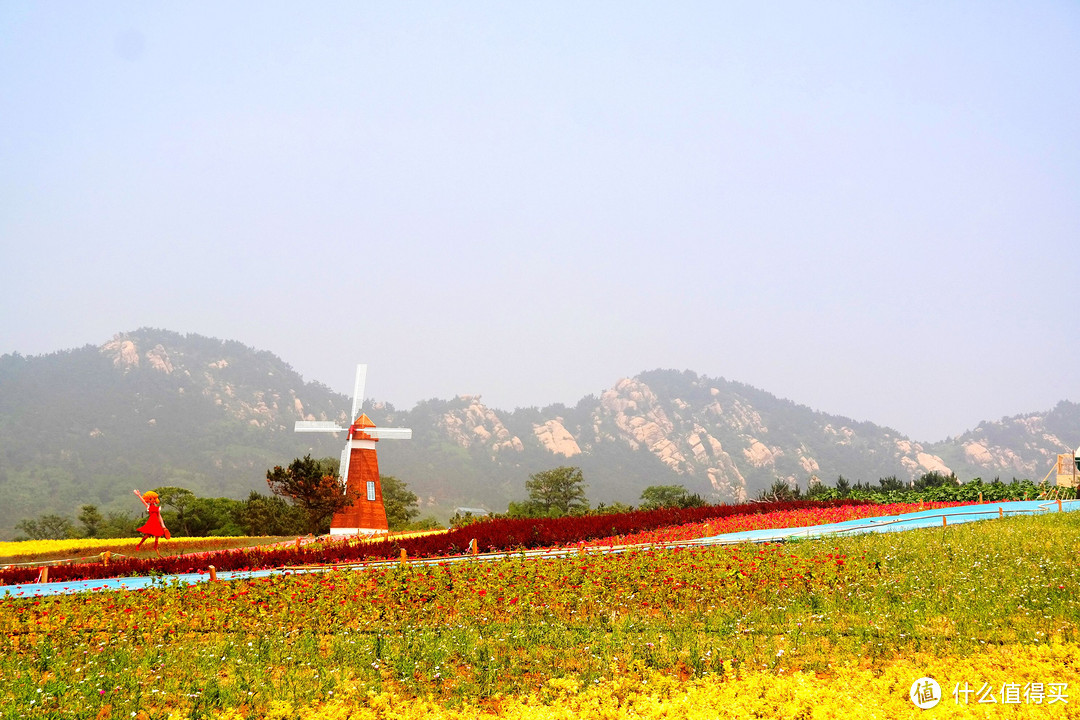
(872,209)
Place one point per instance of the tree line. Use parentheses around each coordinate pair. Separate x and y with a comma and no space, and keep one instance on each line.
(560,492)
(928,487)
(309,491)
(306,494)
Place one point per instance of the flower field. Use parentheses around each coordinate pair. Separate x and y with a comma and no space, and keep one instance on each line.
(496,535)
(811,629)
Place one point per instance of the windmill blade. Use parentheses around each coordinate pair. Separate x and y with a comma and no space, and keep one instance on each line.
(358,392)
(317,426)
(343,468)
(384,433)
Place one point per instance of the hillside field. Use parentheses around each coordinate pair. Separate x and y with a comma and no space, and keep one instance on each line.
(812,629)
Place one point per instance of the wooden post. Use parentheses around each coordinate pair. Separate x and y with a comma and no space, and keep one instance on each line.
(43,576)
(944,520)
(213,574)
(105,558)
(1001,513)
(1059,504)
(980,497)
(404,556)
(473,546)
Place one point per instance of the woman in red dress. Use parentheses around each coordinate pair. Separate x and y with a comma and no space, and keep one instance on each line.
(153,526)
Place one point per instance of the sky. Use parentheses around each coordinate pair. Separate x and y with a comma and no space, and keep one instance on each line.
(872,209)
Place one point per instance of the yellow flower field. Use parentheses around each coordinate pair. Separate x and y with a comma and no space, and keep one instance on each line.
(844,692)
(76,548)
(89,547)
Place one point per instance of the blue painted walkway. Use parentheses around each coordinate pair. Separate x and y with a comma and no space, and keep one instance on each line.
(67,587)
(885,523)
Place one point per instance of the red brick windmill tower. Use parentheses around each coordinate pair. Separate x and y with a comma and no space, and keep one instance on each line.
(359,466)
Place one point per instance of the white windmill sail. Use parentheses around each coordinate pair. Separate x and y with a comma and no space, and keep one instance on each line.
(390,433)
(358,392)
(343,466)
(317,426)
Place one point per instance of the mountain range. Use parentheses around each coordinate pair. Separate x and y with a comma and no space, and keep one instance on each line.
(152,407)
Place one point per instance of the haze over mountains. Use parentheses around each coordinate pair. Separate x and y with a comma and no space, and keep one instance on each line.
(152,407)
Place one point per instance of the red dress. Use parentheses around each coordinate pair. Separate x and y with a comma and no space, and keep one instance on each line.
(154,526)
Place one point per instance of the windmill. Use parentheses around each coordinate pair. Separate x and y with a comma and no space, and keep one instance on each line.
(359,466)
(1068,470)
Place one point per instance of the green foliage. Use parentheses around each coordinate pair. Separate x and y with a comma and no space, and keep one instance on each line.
(315,487)
(817,490)
(180,501)
(92,520)
(47,527)
(934,479)
(560,490)
(934,487)
(425,523)
(529,509)
(676,496)
(399,501)
(458,519)
(259,515)
(118,524)
(891,484)
(780,491)
(188,515)
(616,507)
(271,515)
(843,486)
(216,517)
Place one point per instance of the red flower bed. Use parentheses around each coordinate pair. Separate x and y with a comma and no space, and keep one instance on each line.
(797,518)
(491,536)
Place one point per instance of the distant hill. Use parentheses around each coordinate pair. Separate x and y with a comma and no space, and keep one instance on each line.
(152,407)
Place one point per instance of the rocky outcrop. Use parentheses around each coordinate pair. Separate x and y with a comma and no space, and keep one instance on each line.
(123,352)
(633,408)
(995,458)
(917,461)
(841,436)
(158,359)
(556,439)
(809,465)
(473,423)
(744,418)
(759,454)
(1021,446)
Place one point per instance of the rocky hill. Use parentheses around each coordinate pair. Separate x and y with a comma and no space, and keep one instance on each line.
(152,407)
(1020,446)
